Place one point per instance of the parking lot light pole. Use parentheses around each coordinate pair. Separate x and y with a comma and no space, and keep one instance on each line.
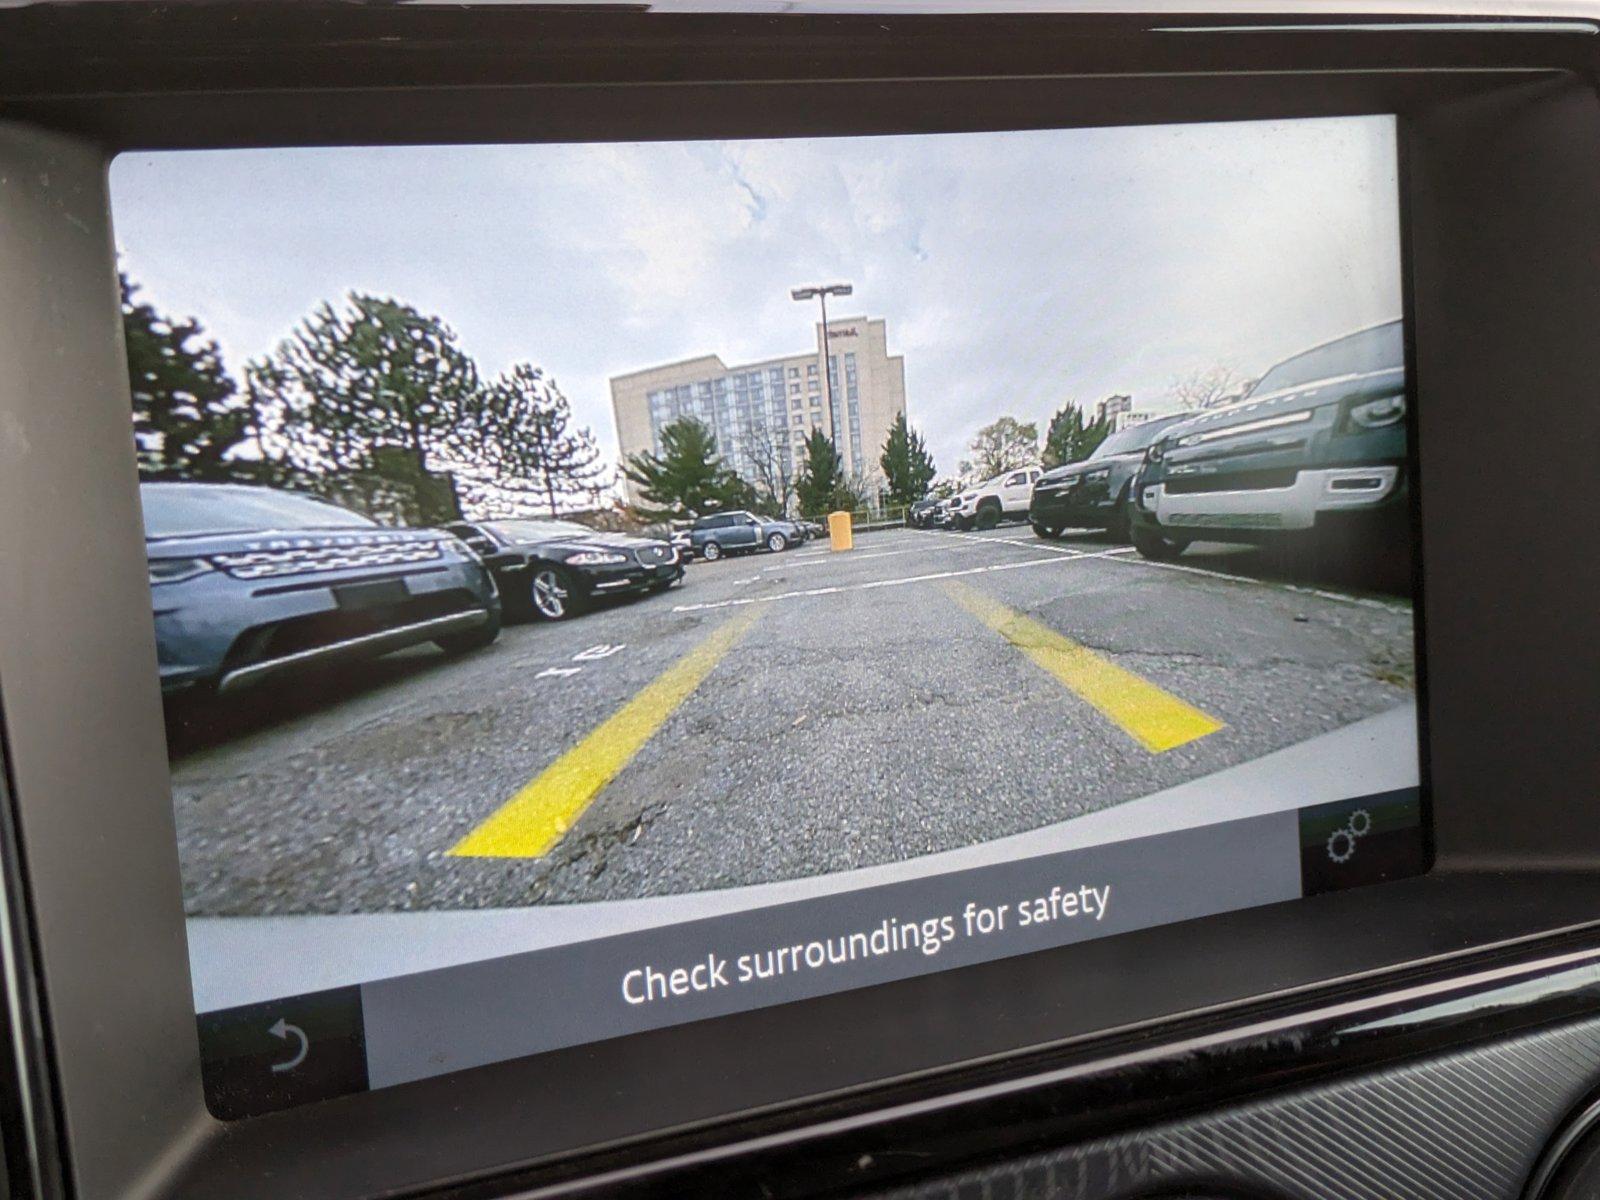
(822,291)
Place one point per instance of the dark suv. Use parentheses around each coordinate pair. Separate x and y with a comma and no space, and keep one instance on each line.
(1320,441)
(249,583)
(920,514)
(729,532)
(1096,493)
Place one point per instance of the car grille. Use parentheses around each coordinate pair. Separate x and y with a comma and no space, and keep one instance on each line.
(313,560)
(1233,481)
(655,556)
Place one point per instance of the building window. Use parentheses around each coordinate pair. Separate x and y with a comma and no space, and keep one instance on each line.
(795,403)
(794,372)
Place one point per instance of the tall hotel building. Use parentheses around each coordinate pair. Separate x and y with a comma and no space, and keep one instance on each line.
(762,412)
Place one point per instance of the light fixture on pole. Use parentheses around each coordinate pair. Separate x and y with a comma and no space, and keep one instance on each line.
(822,291)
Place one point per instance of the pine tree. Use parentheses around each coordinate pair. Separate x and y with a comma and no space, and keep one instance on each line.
(907,465)
(376,375)
(519,447)
(688,478)
(187,413)
(1072,437)
(820,486)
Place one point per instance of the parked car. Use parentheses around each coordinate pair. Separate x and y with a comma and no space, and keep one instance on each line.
(810,530)
(1096,493)
(920,514)
(1319,441)
(1005,496)
(249,583)
(943,514)
(733,532)
(555,569)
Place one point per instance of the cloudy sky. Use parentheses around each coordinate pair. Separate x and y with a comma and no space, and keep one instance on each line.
(1016,271)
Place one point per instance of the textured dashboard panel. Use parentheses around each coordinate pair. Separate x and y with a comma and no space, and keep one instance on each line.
(1464,1126)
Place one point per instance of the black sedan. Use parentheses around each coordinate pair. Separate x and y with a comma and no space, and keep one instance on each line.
(556,569)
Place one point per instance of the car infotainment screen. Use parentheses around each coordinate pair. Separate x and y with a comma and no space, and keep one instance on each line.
(601,587)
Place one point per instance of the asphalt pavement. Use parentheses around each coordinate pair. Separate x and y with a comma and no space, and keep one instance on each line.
(775,716)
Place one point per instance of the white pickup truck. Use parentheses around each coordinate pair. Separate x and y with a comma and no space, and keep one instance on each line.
(1006,496)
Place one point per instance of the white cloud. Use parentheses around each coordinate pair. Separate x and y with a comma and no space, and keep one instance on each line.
(1016,270)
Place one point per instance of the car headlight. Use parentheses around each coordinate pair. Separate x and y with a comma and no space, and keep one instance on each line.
(1377,414)
(1093,476)
(176,570)
(1155,453)
(596,558)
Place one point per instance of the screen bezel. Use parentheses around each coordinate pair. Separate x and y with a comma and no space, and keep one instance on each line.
(102,911)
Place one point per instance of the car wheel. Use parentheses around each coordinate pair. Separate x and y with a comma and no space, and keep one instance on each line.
(711,552)
(473,639)
(776,542)
(1155,545)
(552,594)
(988,516)
(1046,531)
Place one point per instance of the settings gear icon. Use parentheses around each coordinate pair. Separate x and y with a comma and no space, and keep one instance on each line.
(1342,841)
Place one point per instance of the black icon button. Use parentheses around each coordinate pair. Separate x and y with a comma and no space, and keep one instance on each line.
(263,1057)
(1367,840)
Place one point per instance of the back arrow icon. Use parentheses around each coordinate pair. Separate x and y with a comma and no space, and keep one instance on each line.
(281,1031)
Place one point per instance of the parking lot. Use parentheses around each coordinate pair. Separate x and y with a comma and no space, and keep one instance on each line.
(775,716)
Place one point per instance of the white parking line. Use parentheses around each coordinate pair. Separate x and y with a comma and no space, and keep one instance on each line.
(883,583)
(1302,589)
(852,556)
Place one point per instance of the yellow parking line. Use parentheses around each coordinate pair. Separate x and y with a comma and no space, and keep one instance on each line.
(1152,716)
(538,816)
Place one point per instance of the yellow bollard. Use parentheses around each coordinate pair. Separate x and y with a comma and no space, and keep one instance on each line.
(839,535)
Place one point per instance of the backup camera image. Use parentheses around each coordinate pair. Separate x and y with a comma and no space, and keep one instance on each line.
(552,545)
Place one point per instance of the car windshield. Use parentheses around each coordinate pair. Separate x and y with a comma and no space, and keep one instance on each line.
(1378,349)
(187,510)
(538,531)
(1132,439)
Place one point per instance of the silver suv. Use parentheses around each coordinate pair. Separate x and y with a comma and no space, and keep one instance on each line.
(732,532)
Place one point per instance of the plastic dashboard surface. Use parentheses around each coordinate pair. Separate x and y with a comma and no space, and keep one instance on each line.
(1503,219)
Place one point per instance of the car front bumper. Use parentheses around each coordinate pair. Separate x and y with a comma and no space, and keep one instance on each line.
(215,629)
(1060,510)
(1314,493)
(621,579)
